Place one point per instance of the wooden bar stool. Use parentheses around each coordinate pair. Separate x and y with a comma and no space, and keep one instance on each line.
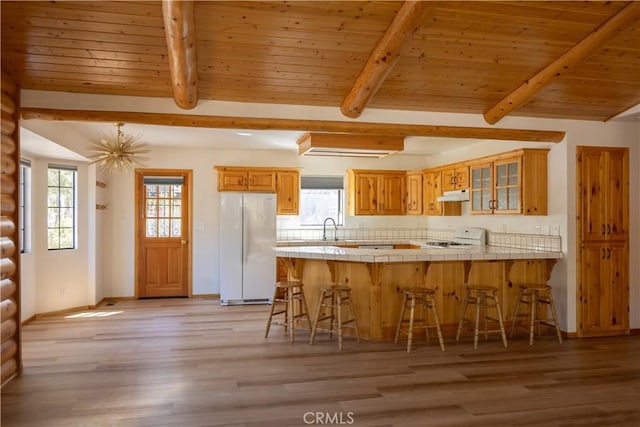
(538,297)
(484,298)
(424,298)
(333,301)
(285,296)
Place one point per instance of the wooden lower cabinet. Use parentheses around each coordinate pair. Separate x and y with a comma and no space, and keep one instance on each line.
(376,287)
(604,289)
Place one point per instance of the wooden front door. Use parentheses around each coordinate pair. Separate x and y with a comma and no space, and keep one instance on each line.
(163,233)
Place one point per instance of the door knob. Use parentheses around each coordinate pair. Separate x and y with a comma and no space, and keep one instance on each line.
(184,242)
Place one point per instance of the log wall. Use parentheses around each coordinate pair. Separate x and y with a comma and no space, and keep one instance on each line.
(11,359)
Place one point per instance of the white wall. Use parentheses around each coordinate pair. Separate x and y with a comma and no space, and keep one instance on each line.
(119,217)
(60,279)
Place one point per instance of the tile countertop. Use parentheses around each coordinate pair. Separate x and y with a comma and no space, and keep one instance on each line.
(331,242)
(467,253)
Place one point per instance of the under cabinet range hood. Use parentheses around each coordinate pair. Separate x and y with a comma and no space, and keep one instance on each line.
(454,196)
(349,145)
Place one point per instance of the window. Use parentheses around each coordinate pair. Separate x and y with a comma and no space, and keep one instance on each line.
(321,197)
(24,213)
(61,204)
(163,201)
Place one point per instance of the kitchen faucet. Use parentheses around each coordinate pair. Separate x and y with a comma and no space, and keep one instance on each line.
(324,229)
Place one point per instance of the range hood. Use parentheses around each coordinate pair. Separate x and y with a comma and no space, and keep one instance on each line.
(454,196)
(349,145)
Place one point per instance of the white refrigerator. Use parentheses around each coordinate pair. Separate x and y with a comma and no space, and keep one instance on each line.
(247,237)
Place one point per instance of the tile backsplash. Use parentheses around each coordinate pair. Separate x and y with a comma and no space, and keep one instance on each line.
(510,240)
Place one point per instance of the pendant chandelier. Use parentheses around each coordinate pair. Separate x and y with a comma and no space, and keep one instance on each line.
(118,152)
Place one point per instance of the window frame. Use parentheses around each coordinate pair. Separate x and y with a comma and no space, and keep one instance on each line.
(74,207)
(319,182)
(24,206)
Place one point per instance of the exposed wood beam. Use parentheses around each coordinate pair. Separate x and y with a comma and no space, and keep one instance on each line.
(179,28)
(384,57)
(601,35)
(259,123)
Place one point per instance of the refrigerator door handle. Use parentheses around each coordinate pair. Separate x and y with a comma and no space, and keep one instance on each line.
(245,233)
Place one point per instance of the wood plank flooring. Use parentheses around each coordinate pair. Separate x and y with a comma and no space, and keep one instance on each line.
(181,362)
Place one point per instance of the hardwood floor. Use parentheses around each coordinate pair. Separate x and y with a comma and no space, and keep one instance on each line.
(181,362)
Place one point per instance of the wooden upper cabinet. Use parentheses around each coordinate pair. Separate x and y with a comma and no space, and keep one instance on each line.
(393,195)
(433,190)
(231,178)
(284,182)
(414,193)
(510,183)
(288,192)
(455,178)
(603,183)
(373,192)
(261,181)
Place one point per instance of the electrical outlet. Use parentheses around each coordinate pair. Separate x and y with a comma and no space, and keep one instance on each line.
(555,230)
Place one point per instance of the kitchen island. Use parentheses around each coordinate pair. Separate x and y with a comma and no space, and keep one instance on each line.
(376,277)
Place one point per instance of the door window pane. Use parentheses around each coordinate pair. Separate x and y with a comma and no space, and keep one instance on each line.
(163,202)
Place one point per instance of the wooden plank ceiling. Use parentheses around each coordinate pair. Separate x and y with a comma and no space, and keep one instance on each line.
(464,56)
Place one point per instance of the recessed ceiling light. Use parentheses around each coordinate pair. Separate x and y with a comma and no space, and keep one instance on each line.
(244,133)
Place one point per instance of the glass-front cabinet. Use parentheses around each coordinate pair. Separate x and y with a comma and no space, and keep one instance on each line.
(495,186)
(481,188)
(507,186)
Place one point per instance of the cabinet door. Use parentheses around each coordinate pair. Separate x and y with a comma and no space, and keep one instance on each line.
(232,180)
(507,185)
(431,193)
(593,221)
(615,184)
(392,194)
(461,178)
(262,181)
(481,188)
(448,180)
(366,193)
(288,189)
(414,193)
(604,289)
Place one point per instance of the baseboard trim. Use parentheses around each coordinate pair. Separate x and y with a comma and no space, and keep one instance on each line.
(61,312)
(29,320)
(207,296)
(635,331)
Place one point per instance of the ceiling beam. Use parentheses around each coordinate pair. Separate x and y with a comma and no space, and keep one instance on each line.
(564,64)
(384,57)
(260,123)
(179,28)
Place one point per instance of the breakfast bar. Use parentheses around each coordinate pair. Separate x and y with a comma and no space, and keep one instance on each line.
(376,277)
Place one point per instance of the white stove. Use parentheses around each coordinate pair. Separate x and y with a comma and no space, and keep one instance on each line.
(467,236)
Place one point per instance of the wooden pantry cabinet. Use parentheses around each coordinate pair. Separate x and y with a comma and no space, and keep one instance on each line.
(603,240)
(376,192)
(282,181)
(510,183)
